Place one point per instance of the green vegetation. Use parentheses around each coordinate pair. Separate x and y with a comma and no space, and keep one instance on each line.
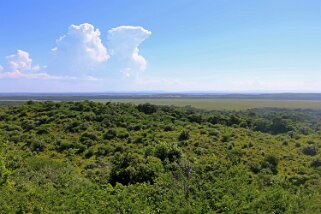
(90,157)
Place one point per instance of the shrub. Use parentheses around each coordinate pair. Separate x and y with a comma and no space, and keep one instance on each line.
(316,163)
(226,138)
(88,153)
(164,151)
(271,162)
(110,134)
(215,133)
(132,168)
(122,134)
(184,135)
(37,146)
(168,128)
(147,108)
(310,150)
(62,145)
(43,130)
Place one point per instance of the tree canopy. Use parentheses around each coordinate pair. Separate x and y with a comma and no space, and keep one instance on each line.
(88,157)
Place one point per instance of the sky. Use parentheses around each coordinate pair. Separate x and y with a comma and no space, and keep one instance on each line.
(160,46)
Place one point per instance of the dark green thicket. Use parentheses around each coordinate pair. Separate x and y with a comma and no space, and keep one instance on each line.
(87,157)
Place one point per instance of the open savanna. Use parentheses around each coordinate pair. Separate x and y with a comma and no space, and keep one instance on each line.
(201,102)
(226,104)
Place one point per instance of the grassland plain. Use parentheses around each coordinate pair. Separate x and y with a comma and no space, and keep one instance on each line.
(201,101)
(208,103)
(227,104)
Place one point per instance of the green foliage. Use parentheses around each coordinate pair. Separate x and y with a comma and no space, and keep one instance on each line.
(131,169)
(110,134)
(4,172)
(87,157)
(184,135)
(310,150)
(168,152)
(147,108)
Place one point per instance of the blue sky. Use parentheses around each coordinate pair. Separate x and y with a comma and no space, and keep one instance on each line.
(181,45)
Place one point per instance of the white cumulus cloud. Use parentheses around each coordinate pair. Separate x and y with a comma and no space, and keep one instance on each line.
(80,55)
(123,43)
(19,65)
(79,50)
(19,62)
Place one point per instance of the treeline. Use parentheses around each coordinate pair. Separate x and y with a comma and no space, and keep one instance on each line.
(91,157)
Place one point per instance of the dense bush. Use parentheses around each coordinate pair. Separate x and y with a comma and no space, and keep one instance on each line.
(131,169)
(184,135)
(147,108)
(167,152)
(310,150)
(88,157)
(110,134)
